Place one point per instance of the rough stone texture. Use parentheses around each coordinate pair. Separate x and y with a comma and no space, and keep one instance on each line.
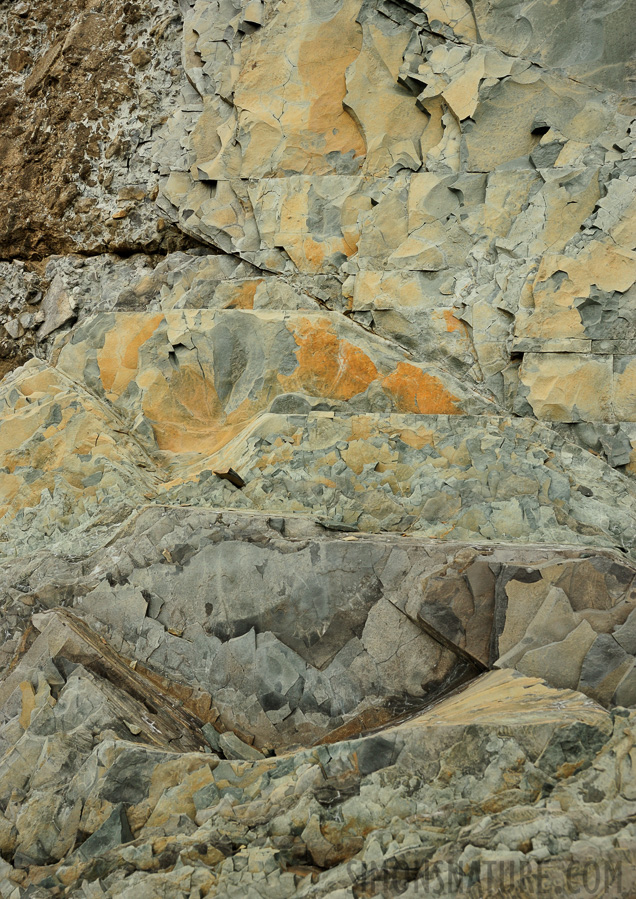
(424,799)
(317,511)
(181,652)
(172,579)
(72,462)
(461,177)
(86,88)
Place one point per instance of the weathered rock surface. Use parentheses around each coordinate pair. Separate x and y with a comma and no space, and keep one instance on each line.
(176,579)
(197,637)
(317,510)
(472,197)
(310,414)
(423,800)
(86,88)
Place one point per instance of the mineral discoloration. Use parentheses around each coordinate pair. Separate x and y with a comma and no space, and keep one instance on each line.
(317,537)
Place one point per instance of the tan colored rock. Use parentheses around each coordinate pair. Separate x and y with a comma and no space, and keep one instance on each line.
(395,133)
(555,313)
(204,375)
(288,98)
(568,386)
(309,480)
(624,388)
(74,445)
(511,697)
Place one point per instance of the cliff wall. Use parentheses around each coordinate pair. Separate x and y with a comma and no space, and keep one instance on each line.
(317,448)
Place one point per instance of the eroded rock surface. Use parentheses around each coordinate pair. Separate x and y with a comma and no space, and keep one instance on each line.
(86,89)
(232,702)
(422,800)
(317,510)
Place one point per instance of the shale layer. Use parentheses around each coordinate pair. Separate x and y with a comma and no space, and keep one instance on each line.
(317,449)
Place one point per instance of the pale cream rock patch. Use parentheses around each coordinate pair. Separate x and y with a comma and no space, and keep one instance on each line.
(568,386)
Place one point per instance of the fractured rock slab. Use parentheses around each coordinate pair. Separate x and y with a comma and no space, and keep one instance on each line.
(391,789)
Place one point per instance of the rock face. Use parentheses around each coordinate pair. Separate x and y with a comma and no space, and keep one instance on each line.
(86,89)
(317,449)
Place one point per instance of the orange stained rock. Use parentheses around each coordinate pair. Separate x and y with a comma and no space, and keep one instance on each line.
(452,323)
(45,382)
(243,298)
(417,439)
(175,776)
(178,800)
(327,365)
(291,91)
(16,430)
(186,414)
(314,252)
(76,434)
(360,453)
(361,428)
(350,238)
(310,255)
(184,411)
(326,482)
(118,358)
(415,391)
(284,453)
(555,313)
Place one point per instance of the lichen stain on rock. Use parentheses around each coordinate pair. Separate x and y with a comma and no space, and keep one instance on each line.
(417,391)
(317,542)
(118,361)
(322,63)
(328,365)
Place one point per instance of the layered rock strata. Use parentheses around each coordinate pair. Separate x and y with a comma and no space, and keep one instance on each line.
(317,444)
